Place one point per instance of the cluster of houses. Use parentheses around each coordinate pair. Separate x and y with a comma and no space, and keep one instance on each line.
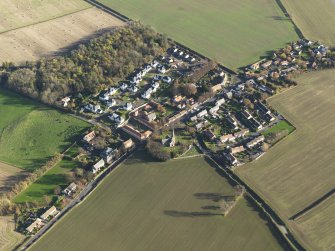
(234,118)
(42,220)
(105,157)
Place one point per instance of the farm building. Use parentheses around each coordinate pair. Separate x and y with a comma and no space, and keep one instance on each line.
(52,211)
(36,224)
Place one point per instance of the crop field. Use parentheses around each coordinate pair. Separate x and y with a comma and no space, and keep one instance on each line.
(9,175)
(315,19)
(145,205)
(235,33)
(9,239)
(19,13)
(318,226)
(55,36)
(45,185)
(31,133)
(306,155)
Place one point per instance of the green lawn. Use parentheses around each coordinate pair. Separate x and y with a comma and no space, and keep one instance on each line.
(31,133)
(235,33)
(281,126)
(45,185)
(145,205)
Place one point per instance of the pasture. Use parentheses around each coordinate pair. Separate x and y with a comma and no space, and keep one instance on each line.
(31,133)
(145,205)
(315,19)
(9,239)
(45,185)
(55,36)
(235,33)
(300,168)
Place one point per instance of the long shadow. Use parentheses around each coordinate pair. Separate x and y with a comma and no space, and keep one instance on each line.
(211,207)
(10,181)
(174,213)
(216,197)
(274,230)
(73,46)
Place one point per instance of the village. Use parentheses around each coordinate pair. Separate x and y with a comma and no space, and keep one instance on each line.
(180,101)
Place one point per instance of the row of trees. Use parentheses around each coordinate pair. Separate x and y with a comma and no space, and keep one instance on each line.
(90,68)
(6,205)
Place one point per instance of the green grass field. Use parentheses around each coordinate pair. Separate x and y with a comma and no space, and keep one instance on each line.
(19,13)
(300,169)
(281,126)
(45,185)
(146,205)
(31,133)
(316,19)
(235,33)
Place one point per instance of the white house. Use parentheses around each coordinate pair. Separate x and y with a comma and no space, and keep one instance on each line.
(111,103)
(167,79)
(116,118)
(147,93)
(155,86)
(161,69)
(128,107)
(123,86)
(96,168)
(214,109)
(112,90)
(104,97)
(220,101)
(133,88)
(202,113)
(93,108)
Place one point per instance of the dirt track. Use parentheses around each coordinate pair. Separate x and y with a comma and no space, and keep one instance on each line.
(54,36)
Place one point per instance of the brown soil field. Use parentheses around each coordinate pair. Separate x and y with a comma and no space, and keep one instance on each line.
(9,239)
(9,175)
(19,13)
(54,36)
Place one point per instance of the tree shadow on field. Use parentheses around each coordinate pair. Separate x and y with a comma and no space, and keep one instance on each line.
(174,213)
(216,197)
(11,180)
(279,18)
(73,46)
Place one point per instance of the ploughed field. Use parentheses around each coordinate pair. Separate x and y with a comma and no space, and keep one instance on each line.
(9,239)
(31,133)
(145,205)
(235,33)
(316,19)
(300,169)
(19,13)
(31,29)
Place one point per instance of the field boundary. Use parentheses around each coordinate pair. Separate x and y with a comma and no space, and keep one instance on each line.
(287,14)
(44,21)
(313,205)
